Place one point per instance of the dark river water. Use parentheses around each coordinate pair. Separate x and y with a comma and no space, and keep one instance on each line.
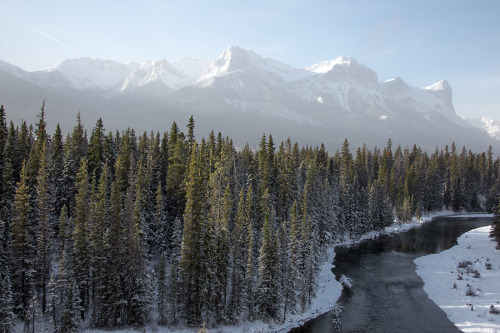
(387,294)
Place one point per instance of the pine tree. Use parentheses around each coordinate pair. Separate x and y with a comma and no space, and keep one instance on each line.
(22,247)
(176,173)
(190,137)
(143,206)
(238,254)
(96,158)
(113,303)
(174,276)
(44,230)
(495,230)
(71,310)
(99,223)
(221,255)
(306,259)
(193,250)
(65,232)
(283,262)
(126,160)
(136,284)
(268,296)
(53,306)
(56,171)
(35,156)
(162,297)
(293,277)
(163,230)
(81,251)
(74,150)
(3,144)
(8,177)
(6,302)
(249,289)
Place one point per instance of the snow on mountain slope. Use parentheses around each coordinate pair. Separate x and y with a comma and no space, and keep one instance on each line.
(342,82)
(174,75)
(487,125)
(325,102)
(492,127)
(236,59)
(432,100)
(90,73)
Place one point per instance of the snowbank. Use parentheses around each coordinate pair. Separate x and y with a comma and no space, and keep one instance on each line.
(450,275)
(328,292)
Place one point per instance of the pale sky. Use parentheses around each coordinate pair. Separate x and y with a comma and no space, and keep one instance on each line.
(420,41)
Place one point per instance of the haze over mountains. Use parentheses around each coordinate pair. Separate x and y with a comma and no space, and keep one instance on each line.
(243,95)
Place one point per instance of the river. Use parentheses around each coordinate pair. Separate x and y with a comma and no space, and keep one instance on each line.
(387,294)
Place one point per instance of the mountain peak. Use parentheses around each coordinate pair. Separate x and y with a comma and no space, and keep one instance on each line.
(238,60)
(90,73)
(327,65)
(438,86)
(347,70)
(235,58)
(442,89)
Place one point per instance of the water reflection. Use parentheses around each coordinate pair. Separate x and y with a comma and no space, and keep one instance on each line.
(388,295)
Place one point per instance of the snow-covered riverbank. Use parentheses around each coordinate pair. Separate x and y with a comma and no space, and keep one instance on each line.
(329,290)
(464,281)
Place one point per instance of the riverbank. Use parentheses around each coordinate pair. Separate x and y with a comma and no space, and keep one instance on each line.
(328,292)
(464,281)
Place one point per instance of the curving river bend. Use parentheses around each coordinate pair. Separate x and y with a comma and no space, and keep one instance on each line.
(388,295)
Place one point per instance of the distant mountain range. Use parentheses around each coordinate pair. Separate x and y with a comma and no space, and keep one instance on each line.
(244,95)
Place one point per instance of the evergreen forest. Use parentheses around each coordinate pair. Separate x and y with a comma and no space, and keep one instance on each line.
(110,230)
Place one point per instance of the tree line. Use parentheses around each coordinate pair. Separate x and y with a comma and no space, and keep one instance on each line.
(120,229)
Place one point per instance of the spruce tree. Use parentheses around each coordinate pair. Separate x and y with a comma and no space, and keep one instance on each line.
(176,174)
(81,250)
(238,254)
(56,171)
(23,248)
(113,303)
(8,177)
(99,223)
(268,289)
(293,279)
(162,297)
(3,144)
(495,230)
(193,251)
(137,290)
(6,302)
(175,286)
(162,241)
(249,290)
(95,153)
(44,229)
(221,256)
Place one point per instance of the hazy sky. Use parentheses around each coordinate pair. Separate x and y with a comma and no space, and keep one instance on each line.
(420,41)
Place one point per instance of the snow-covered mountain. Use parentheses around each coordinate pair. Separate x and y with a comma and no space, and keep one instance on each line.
(90,73)
(488,125)
(243,94)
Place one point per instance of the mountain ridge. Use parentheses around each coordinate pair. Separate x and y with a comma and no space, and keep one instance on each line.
(242,91)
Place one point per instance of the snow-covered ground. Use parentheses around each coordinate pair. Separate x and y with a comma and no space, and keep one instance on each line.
(447,284)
